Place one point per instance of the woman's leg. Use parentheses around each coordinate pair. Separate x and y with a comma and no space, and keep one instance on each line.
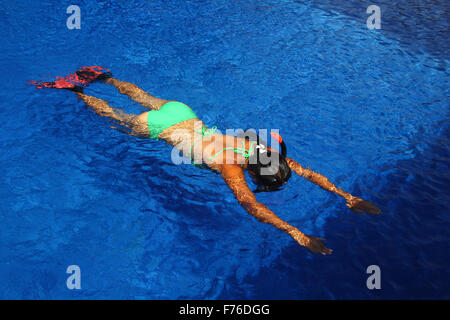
(102,108)
(136,123)
(137,94)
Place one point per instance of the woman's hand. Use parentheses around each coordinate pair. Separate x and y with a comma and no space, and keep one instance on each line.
(360,206)
(312,243)
(315,245)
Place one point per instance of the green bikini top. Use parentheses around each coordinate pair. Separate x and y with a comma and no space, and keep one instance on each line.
(208,132)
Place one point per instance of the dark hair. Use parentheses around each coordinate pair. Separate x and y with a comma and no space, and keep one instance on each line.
(269,168)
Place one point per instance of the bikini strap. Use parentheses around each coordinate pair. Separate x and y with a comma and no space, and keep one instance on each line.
(246,153)
(208,132)
(204,133)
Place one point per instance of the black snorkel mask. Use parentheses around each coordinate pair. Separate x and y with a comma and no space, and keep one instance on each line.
(268,168)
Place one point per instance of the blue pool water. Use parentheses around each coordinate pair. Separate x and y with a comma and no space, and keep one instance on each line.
(367,108)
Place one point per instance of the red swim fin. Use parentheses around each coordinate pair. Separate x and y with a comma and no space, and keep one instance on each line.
(78,80)
(59,83)
(94,73)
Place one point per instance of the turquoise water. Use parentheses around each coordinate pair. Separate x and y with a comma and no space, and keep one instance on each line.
(366,108)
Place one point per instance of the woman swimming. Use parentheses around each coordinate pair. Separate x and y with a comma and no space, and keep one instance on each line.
(228,155)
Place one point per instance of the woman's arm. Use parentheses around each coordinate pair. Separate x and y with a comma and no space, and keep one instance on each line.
(235,179)
(354,203)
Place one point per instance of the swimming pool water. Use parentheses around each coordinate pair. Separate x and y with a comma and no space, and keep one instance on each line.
(367,108)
